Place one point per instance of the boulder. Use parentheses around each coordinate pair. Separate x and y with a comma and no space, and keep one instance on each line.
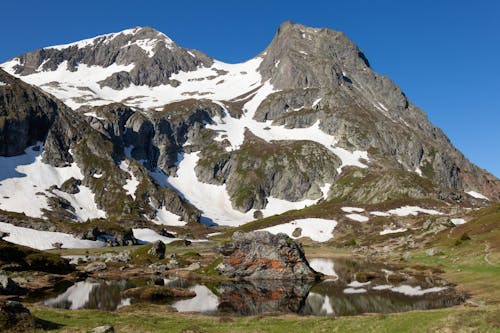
(7,286)
(14,317)
(95,267)
(158,249)
(262,255)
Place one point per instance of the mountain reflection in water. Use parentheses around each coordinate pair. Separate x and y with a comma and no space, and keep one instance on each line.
(381,289)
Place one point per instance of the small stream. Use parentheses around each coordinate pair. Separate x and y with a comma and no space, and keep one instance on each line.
(351,287)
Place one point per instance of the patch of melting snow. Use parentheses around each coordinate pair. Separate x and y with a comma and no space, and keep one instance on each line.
(392,231)
(25,181)
(458,221)
(165,217)
(130,183)
(382,214)
(319,230)
(412,210)
(477,195)
(150,236)
(43,240)
(352,209)
(357,217)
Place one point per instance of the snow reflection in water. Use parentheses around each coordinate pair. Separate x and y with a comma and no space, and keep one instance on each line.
(360,286)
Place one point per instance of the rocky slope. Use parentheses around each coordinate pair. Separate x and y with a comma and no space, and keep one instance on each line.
(159,132)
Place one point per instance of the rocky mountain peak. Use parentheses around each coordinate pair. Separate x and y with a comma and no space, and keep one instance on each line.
(137,56)
(301,56)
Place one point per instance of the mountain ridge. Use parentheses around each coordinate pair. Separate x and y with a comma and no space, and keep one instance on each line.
(311,95)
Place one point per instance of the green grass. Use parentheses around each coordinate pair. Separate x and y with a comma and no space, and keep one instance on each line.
(154,318)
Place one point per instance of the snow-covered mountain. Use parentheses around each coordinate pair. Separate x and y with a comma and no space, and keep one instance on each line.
(150,131)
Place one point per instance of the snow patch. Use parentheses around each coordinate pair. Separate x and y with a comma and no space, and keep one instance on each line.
(458,221)
(150,236)
(383,214)
(164,217)
(43,240)
(25,181)
(412,210)
(477,195)
(357,217)
(392,231)
(319,230)
(132,183)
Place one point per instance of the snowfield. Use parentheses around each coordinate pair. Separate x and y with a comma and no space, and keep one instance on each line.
(43,240)
(412,210)
(319,230)
(25,181)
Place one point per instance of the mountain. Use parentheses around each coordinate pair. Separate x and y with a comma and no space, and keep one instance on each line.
(131,126)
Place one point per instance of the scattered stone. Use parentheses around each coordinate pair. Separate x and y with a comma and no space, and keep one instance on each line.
(262,255)
(95,267)
(103,329)
(407,256)
(158,249)
(57,245)
(187,242)
(158,267)
(14,317)
(433,252)
(123,256)
(297,232)
(194,266)
(173,264)
(8,286)
(258,215)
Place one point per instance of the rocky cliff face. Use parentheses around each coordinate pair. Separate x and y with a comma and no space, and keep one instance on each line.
(306,120)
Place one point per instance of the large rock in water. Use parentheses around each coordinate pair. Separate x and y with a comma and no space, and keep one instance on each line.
(262,255)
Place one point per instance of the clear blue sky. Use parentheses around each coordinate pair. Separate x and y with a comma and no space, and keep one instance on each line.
(444,54)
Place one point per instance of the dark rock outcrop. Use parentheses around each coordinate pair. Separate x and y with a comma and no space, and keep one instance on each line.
(157,249)
(262,255)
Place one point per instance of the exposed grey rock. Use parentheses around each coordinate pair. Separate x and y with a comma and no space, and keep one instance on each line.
(433,252)
(95,267)
(121,49)
(157,249)
(262,255)
(194,266)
